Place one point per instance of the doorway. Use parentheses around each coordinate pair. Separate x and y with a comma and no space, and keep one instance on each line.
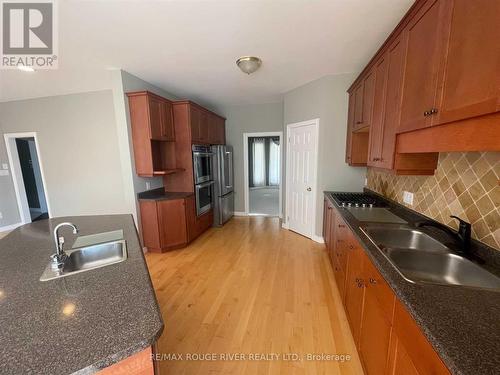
(263,173)
(301,177)
(27,175)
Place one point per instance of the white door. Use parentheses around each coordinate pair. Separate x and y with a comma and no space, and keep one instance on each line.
(301,180)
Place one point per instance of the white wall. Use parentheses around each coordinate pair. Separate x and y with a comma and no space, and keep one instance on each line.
(248,119)
(79,151)
(326,99)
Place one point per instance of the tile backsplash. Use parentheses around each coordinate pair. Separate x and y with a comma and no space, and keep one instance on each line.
(465,184)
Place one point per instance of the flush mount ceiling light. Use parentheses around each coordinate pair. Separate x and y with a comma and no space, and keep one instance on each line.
(25,68)
(249,64)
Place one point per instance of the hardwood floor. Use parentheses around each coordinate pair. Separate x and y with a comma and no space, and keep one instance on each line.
(253,288)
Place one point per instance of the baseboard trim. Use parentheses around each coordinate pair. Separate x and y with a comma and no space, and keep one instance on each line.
(318,239)
(284,225)
(239,213)
(10,227)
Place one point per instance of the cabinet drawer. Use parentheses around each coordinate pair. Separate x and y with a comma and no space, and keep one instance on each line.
(380,290)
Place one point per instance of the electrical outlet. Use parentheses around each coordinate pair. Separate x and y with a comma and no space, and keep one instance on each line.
(408,198)
(366,181)
(148,185)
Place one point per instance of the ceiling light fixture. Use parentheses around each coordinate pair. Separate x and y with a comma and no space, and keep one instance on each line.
(249,64)
(25,68)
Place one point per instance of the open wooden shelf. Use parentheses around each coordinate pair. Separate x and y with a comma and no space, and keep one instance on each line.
(168,171)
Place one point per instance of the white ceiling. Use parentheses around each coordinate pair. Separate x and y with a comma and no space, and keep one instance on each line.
(189,47)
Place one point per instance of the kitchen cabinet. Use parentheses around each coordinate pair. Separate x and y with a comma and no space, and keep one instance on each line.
(410,349)
(164,225)
(153,134)
(206,127)
(354,294)
(197,224)
(395,60)
(470,76)
(436,88)
(388,339)
(377,318)
(425,40)
(377,125)
(356,142)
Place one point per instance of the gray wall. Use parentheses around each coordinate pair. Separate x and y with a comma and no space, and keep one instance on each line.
(248,119)
(326,99)
(78,151)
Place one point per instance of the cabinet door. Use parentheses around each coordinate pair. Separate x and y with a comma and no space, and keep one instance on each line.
(368,92)
(326,222)
(395,59)
(354,292)
(358,106)
(172,222)
(423,56)
(375,335)
(471,75)
(221,131)
(377,123)
(155,118)
(195,124)
(400,362)
(350,122)
(168,122)
(204,127)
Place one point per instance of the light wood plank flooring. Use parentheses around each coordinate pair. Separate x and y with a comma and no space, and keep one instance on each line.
(251,287)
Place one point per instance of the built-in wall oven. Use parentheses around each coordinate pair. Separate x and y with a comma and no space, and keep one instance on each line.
(202,163)
(204,197)
(203,179)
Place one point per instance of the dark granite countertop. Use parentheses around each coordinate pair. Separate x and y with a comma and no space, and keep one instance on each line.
(160,194)
(79,323)
(461,323)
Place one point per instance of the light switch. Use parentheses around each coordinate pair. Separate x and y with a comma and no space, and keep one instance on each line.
(408,198)
(5,166)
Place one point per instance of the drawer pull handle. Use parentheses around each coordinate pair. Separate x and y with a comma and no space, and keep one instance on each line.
(341,226)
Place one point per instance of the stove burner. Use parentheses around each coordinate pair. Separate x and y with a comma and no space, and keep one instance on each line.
(358,200)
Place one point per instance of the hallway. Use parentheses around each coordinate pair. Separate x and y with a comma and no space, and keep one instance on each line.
(251,287)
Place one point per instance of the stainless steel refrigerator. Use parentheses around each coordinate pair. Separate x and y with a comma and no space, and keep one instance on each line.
(222,169)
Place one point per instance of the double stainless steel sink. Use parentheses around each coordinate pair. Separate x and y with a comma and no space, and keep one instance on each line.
(419,257)
(88,258)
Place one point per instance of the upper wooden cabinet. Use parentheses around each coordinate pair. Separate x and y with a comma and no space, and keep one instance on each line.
(423,56)
(440,70)
(153,113)
(469,80)
(206,127)
(153,134)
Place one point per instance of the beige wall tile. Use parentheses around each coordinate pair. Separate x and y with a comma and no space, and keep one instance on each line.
(465,185)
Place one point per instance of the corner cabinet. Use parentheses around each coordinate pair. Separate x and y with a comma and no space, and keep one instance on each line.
(205,126)
(434,86)
(386,336)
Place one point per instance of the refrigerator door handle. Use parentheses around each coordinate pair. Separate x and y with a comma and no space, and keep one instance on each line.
(230,158)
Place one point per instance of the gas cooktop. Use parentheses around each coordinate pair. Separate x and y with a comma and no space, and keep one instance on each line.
(358,200)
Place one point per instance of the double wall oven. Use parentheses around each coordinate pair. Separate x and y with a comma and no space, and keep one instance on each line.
(203,178)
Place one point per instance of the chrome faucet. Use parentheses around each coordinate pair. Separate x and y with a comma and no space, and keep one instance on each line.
(59,257)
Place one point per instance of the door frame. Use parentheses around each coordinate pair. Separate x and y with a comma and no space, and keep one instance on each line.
(17,176)
(315,123)
(246,189)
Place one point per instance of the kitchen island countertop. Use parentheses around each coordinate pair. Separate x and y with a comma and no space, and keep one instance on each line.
(76,324)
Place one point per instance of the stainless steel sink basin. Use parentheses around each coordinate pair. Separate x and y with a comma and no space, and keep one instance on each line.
(88,258)
(441,268)
(404,238)
(420,258)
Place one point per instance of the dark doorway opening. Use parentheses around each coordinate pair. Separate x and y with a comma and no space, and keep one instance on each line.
(32,178)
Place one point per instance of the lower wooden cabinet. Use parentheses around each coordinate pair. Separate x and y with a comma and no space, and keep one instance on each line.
(388,339)
(171,224)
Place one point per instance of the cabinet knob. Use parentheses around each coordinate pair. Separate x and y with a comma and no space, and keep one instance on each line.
(341,226)
(351,247)
(373,281)
(359,122)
